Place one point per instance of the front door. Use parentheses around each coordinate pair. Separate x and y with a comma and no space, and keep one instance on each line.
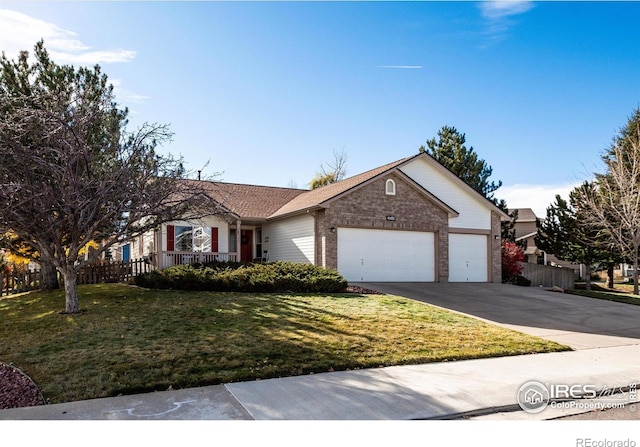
(126,252)
(246,245)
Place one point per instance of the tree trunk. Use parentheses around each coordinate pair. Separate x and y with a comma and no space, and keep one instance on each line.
(587,274)
(48,276)
(70,290)
(610,276)
(635,272)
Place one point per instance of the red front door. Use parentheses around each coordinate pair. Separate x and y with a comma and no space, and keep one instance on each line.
(246,245)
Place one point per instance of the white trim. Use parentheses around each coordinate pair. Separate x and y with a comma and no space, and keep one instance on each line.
(390,187)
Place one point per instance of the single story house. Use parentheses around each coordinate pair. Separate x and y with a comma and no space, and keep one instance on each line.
(410,220)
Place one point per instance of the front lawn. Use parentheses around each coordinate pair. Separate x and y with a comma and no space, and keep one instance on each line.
(129,340)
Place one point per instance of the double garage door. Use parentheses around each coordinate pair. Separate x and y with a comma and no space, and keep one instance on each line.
(383,255)
(408,256)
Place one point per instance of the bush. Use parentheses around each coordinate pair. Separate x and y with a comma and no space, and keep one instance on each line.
(519,280)
(235,277)
(512,256)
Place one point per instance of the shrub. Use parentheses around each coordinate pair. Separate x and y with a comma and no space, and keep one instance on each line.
(226,277)
(519,280)
(512,256)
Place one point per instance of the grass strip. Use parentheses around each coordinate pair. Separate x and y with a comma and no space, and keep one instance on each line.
(619,297)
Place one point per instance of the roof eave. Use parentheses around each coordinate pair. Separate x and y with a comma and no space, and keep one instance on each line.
(295,213)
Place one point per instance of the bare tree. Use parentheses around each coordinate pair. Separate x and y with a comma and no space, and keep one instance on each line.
(71,172)
(332,172)
(614,203)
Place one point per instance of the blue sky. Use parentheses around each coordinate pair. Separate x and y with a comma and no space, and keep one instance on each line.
(267,91)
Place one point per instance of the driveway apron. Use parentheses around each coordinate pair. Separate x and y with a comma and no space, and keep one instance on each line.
(576,321)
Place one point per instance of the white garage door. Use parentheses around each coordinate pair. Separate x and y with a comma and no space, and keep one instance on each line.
(468,258)
(384,255)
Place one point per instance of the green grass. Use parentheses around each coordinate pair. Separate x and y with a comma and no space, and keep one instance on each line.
(621,294)
(129,340)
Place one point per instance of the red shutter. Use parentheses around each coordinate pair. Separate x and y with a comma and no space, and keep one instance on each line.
(171,238)
(214,239)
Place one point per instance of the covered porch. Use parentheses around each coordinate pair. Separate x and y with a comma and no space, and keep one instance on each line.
(190,243)
(171,258)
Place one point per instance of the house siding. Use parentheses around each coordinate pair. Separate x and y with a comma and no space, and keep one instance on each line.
(525,228)
(473,214)
(290,239)
(368,206)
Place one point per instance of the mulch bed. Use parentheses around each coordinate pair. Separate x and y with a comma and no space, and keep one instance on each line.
(17,389)
(362,290)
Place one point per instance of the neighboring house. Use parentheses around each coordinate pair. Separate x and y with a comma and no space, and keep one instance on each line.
(410,220)
(525,231)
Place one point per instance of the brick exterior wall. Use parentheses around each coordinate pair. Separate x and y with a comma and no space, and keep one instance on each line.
(368,206)
(495,274)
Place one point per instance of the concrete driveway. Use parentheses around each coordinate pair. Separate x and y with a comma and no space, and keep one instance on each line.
(576,321)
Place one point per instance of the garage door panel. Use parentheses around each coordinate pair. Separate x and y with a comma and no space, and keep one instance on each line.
(468,259)
(385,255)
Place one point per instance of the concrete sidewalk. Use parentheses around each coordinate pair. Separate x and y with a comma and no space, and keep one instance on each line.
(447,390)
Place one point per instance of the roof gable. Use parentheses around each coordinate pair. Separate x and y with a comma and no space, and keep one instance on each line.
(451,176)
(317,197)
(322,196)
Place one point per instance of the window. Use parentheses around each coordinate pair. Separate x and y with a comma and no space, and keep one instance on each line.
(233,246)
(390,188)
(259,242)
(190,239)
(183,239)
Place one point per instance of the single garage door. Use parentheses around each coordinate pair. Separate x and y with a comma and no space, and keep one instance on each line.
(385,255)
(468,258)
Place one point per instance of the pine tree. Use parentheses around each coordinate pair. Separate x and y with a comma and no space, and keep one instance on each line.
(564,232)
(450,151)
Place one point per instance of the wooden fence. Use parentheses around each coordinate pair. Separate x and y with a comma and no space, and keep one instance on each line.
(106,272)
(548,276)
(17,282)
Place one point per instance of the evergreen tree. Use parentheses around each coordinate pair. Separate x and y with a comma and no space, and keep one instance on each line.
(565,234)
(450,151)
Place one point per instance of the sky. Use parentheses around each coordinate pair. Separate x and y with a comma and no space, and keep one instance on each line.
(266,92)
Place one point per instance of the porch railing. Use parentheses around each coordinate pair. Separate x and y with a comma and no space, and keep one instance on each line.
(171,258)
